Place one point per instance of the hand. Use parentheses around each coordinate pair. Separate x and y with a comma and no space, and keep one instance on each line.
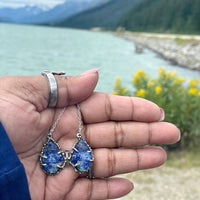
(110,122)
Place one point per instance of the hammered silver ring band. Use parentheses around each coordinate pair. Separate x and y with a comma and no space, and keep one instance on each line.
(53,88)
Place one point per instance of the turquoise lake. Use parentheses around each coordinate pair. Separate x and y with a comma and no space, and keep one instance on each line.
(28,50)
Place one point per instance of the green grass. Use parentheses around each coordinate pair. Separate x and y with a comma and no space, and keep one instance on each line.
(181,41)
(184,159)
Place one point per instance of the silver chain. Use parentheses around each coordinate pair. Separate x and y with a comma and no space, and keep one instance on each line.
(80,126)
(56,122)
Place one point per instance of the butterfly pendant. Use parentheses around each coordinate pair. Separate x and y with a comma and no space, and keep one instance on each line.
(53,159)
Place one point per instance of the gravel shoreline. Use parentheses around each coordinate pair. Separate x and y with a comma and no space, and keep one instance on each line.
(183,50)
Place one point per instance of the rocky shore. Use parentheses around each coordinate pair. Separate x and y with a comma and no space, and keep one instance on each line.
(183,50)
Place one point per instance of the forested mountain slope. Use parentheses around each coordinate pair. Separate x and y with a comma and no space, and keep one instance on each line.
(107,15)
(175,16)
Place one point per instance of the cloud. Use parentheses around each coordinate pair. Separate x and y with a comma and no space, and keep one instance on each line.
(22,3)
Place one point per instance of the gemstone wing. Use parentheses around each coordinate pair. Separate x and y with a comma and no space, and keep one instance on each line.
(82,157)
(52,159)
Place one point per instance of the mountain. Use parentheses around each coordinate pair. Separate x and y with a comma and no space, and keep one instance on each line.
(175,16)
(105,16)
(36,15)
(17,15)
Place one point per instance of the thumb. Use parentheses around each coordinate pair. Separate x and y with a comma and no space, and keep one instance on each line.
(72,90)
(35,89)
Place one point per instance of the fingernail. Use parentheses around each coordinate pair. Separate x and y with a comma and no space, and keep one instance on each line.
(133,186)
(162,114)
(91,71)
(179,137)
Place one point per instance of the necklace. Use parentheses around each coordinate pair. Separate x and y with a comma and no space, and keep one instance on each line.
(53,159)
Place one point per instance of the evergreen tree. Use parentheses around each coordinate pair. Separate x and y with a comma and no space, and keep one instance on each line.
(176,16)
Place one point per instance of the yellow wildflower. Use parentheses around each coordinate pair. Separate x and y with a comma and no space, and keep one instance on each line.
(135,79)
(193,91)
(117,80)
(178,81)
(139,77)
(115,93)
(158,90)
(168,76)
(140,93)
(198,94)
(151,83)
(139,72)
(161,71)
(193,83)
(171,75)
(124,90)
(174,74)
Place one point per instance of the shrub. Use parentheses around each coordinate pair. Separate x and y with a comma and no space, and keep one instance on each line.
(179,98)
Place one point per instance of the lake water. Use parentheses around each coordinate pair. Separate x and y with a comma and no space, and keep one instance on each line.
(28,50)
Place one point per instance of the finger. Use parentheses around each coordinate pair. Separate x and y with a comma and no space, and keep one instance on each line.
(130,134)
(112,188)
(35,89)
(102,107)
(109,162)
(57,186)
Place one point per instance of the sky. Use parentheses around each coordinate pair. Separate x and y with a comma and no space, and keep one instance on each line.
(22,3)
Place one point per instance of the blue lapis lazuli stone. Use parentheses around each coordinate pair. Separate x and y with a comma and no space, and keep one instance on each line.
(53,158)
(82,157)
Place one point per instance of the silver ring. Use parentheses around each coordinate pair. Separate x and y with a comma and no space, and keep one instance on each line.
(53,88)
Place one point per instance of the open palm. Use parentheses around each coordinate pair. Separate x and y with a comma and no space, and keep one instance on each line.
(110,122)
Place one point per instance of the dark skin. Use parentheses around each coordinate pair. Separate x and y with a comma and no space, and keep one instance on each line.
(109,121)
